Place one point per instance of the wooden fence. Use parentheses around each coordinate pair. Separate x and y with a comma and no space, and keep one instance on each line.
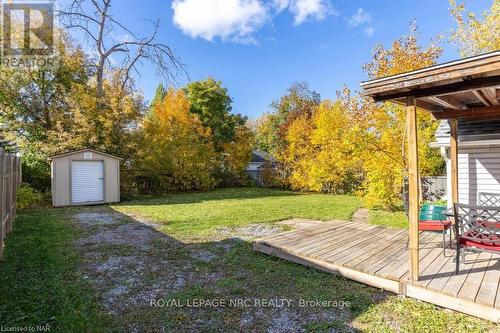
(10,179)
(434,188)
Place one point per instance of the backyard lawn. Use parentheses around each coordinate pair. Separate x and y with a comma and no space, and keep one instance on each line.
(200,214)
(105,268)
(388,219)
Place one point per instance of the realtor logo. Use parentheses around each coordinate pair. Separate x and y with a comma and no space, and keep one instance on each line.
(27,33)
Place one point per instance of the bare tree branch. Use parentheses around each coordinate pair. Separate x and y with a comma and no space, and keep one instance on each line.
(89,33)
(130,66)
(76,15)
(98,24)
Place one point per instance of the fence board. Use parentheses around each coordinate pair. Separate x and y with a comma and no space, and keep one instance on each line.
(435,188)
(10,179)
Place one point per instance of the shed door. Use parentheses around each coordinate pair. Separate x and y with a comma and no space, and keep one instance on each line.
(87,181)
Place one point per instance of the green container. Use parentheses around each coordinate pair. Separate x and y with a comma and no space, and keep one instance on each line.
(432,212)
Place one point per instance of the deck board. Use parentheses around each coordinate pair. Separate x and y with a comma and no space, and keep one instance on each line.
(443,275)
(403,268)
(374,250)
(401,259)
(356,243)
(378,256)
(455,282)
(390,253)
(285,237)
(339,244)
(491,280)
(318,242)
(432,271)
(470,288)
(497,299)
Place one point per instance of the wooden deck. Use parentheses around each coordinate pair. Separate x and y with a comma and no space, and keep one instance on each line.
(378,256)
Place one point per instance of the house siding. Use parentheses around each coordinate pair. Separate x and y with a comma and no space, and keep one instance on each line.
(478,171)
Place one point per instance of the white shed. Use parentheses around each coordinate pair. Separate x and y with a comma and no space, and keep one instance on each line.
(478,159)
(85,177)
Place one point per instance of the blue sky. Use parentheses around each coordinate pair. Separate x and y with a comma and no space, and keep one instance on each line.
(258,48)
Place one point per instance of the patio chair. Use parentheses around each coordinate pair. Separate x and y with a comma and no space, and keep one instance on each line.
(433,218)
(477,228)
(489,199)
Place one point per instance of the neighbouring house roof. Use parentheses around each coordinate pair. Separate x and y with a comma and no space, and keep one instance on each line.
(254,166)
(81,151)
(478,132)
(261,156)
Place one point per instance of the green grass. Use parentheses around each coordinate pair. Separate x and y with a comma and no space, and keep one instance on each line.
(39,280)
(388,219)
(201,213)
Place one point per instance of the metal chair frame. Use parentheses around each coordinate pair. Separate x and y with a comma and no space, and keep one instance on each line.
(477,224)
(489,199)
(446,215)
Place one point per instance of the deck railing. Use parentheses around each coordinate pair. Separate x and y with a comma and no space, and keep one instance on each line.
(10,179)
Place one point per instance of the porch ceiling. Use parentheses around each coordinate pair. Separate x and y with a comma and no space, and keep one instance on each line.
(467,88)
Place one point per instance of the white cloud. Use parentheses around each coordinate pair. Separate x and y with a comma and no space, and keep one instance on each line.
(303,10)
(281,4)
(369,31)
(362,19)
(239,20)
(359,18)
(235,20)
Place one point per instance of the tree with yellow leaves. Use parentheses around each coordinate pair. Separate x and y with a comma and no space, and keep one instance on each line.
(177,153)
(109,125)
(299,101)
(236,155)
(320,151)
(383,142)
(337,168)
(53,109)
(298,153)
(475,35)
(338,146)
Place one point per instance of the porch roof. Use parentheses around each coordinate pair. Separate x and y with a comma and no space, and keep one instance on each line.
(465,88)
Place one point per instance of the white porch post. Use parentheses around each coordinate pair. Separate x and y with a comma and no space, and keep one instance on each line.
(454,159)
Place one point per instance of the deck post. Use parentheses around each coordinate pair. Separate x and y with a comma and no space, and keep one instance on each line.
(413,184)
(454,159)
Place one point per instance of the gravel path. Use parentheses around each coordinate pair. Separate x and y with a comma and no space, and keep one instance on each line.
(130,262)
